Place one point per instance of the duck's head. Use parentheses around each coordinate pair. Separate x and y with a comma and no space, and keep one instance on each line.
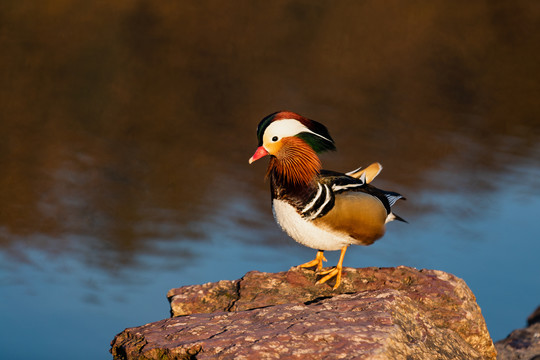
(283,131)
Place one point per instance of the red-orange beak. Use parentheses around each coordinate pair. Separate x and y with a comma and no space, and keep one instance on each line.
(259,153)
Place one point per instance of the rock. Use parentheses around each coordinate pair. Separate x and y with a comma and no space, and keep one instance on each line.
(522,343)
(534,317)
(206,298)
(388,313)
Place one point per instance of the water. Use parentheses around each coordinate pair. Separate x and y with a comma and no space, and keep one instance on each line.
(126,130)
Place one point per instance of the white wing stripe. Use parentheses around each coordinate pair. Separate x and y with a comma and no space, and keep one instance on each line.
(363,177)
(314,200)
(343,187)
(352,172)
(321,208)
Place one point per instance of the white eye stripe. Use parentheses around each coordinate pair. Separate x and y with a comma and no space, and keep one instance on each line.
(285,128)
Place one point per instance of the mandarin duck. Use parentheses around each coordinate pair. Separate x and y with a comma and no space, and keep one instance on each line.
(321,209)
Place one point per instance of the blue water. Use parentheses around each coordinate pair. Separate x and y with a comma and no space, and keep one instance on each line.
(126,127)
(56,306)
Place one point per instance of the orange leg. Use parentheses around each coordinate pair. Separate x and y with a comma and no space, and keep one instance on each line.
(315,262)
(334,271)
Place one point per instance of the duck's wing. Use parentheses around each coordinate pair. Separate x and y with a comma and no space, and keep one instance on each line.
(342,184)
(356,214)
(369,173)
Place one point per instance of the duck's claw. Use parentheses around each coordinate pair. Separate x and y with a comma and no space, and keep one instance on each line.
(333,272)
(318,261)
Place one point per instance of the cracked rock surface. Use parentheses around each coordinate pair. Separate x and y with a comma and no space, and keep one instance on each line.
(388,313)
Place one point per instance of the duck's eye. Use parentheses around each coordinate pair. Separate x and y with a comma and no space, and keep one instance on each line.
(275,138)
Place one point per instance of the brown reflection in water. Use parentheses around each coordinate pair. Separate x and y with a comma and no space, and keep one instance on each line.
(119,118)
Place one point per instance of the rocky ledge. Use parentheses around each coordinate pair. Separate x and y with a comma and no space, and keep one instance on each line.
(376,313)
(522,343)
